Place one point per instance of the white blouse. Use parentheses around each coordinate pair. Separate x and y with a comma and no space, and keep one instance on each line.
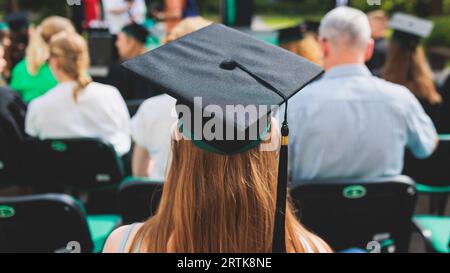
(152,128)
(100,112)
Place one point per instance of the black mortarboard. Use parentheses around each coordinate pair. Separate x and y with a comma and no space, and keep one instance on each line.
(291,34)
(408,29)
(137,31)
(224,67)
(312,25)
(17,21)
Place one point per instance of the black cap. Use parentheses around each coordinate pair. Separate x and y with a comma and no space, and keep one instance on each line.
(408,29)
(17,21)
(137,31)
(225,67)
(291,34)
(312,25)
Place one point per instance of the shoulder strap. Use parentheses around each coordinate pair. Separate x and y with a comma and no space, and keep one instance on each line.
(125,238)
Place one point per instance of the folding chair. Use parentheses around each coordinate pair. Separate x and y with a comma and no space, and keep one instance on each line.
(51,223)
(436,232)
(11,157)
(432,174)
(82,164)
(360,214)
(138,199)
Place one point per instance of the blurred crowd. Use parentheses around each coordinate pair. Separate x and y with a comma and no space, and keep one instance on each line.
(378,94)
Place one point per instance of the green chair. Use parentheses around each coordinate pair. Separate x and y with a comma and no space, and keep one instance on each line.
(432,174)
(436,232)
(51,223)
(355,213)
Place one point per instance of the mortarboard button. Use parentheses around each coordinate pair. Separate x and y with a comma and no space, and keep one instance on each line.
(228,65)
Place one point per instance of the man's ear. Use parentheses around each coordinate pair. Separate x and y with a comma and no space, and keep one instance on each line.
(369,50)
(325,47)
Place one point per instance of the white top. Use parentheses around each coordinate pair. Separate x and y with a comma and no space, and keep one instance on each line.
(139,11)
(115,21)
(151,128)
(352,125)
(100,112)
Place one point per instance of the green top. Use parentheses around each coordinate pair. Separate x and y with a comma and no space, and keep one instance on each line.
(32,86)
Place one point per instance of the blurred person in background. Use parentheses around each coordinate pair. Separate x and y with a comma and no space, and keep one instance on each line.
(407,63)
(19,32)
(5,42)
(12,111)
(362,123)
(175,11)
(119,13)
(130,43)
(32,77)
(151,127)
(92,12)
(378,23)
(78,107)
(12,128)
(444,125)
(297,40)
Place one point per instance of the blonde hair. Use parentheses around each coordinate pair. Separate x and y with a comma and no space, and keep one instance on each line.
(187,26)
(308,48)
(409,67)
(37,52)
(71,53)
(221,204)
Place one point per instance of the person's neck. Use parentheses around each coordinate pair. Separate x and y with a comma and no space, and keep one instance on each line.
(136,52)
(65,79)
(342,59)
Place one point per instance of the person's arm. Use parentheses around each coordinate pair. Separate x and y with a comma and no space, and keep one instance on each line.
(31,121)
(114,240)
(121,239)
(142,162)
(142,132)
(422,135)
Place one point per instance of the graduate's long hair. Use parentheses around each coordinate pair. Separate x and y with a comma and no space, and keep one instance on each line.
(409,67)
(72,55)
(38,51)
(221,204)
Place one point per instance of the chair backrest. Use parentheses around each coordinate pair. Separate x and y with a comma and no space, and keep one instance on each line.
(79,163)
(138,200)
(11,156)
(433,171)
(42,224)
(101,47)
(352,214)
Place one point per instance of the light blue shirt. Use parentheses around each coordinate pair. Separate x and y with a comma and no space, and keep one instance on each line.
(352,125)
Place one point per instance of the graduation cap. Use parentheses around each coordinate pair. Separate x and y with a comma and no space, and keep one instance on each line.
(291,34)
(137,31)
(17,21)
(408,29)
(312,25)
(225,67)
